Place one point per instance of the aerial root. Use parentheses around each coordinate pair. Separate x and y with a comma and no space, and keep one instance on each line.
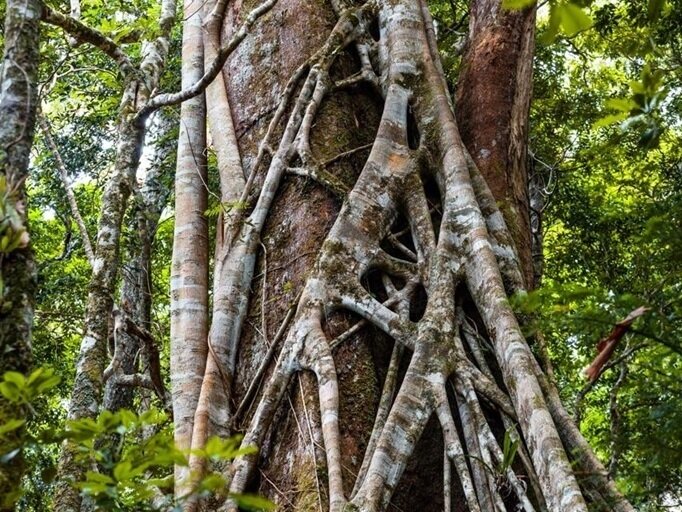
(461,238)
(241,233)
(476,343)
(323,365)
(272,396)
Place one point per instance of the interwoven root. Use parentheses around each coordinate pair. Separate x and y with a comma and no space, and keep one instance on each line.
(452,244)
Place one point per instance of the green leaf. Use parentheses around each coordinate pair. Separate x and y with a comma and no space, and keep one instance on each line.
(11,425)
(48,382)
(549,35)
(16,378)
(212,482)
(622,104)
(213,447)
(36,374)
(10,391)
(516,4)
(93,476)
(573,18)
(508,451)
(637,87)
(123,470)
(251,502)
(610,119)
(164,483)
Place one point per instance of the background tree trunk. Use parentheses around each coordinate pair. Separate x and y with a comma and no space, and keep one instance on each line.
(18,101)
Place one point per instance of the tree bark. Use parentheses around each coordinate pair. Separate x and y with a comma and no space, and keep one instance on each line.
(493,102)
(132,353)
(189,267)
(18,101)
(419,251)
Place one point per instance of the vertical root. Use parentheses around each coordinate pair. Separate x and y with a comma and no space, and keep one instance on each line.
(455,452)
(272,396)
(325,370)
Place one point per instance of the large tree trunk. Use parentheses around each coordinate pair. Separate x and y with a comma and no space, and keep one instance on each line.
(418,260)
(493,102)
(18,100)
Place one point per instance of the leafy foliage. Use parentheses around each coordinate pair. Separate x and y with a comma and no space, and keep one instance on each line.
(132,472)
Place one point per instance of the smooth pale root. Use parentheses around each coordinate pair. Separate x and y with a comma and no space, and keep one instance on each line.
(473,247)
(189,265)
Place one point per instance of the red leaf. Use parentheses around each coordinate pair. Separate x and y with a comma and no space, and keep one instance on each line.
(607,346)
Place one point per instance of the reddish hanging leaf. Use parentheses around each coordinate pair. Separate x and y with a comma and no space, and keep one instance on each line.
(607,346)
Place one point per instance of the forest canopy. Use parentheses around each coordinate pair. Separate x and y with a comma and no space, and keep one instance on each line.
(192,160)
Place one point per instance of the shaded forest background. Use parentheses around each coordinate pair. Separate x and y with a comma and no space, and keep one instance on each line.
(606,195)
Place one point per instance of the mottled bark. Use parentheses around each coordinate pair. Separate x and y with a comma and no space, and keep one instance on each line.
(133,354)
(493,101)
(18,101)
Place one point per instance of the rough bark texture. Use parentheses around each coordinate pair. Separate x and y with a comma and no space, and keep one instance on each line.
(131,355)
(419,251)
(301,215)
(493,100)
(18,101)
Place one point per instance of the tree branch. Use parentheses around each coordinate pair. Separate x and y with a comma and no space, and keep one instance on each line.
(163,100)
(73,204)
(84,34)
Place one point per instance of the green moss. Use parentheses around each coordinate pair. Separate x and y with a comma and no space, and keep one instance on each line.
(511,218)
(305,483)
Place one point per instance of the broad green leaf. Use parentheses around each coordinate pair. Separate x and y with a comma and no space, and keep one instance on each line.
(622,104)
(93,476)
(637,87)
(123,470)
(212,482)
(10,391)
(252,502)
(36,374)
(46,383)
(213,447)
(550,33)
(610,119)
(516,4)
(573,18)
(16,378)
